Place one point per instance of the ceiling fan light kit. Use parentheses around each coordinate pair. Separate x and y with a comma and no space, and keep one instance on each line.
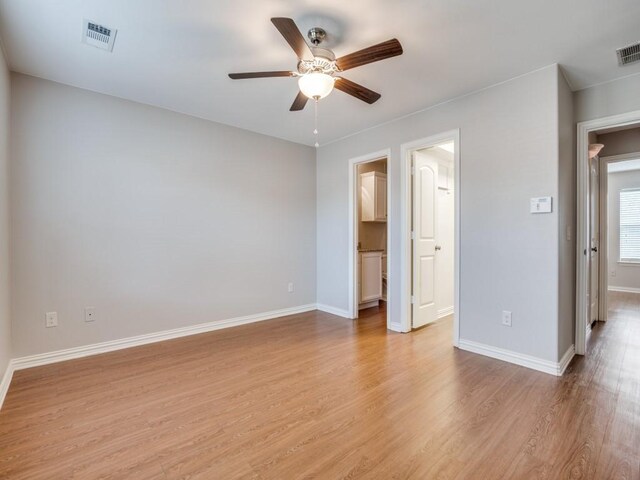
(316,85)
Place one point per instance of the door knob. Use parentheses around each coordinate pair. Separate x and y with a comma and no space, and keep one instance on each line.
(438,247)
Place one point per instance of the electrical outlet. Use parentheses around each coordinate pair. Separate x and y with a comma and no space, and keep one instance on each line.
(290,287)
(90,314)
(51,319)
(506,318)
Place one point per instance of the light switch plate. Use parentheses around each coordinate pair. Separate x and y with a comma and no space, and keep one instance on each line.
(541,204)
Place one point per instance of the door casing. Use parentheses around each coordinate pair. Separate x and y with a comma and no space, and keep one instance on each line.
(406,150)
(582,228)
(353,229)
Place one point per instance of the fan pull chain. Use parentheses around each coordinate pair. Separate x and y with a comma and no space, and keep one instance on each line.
(315,130)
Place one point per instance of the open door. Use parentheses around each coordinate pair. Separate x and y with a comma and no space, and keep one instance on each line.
(594,240)
(424,235)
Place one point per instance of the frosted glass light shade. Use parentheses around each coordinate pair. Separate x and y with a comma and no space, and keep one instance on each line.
(316,85)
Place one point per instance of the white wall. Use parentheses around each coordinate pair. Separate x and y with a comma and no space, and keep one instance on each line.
(621,142)
(158,220)
(621,275)
(611,98)
(509,257)
(5,311)
(566,217)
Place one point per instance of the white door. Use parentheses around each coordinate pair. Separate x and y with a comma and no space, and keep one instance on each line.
(594,239)
(425,221)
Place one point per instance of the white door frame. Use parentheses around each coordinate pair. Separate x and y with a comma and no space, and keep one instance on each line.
(604,229)
(405,246)
(582,233)
(353,228)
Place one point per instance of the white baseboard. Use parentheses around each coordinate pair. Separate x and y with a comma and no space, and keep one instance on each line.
(87,350)
(333,310)
(624,289)
(566,359)
(535,363)
(371,304)
(444,312)
(6,381)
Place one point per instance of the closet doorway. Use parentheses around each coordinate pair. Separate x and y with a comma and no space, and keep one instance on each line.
(369,233)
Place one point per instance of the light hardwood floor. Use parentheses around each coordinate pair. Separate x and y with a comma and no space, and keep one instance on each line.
(317,396)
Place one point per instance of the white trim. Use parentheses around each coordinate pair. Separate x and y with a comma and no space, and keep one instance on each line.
(405,227)
(582,234)
(333,310)
(621,158)
(353,228)
(534,363)
(603,241)
(624,289)
(6,381)
(566,360)
(370,304)
(113,345)
(444,312)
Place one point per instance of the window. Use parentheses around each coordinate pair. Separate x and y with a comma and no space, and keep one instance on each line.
(630,225)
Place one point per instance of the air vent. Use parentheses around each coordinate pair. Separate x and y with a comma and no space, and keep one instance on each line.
(98,35)
(629,54)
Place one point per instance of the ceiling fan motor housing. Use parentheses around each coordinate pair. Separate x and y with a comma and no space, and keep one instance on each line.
(324,61)
(317,35)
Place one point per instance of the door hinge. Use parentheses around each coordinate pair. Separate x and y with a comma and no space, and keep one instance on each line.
(413,235)
(413,299)
(413,170)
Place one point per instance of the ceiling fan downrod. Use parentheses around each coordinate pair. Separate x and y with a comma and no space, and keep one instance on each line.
(316,35)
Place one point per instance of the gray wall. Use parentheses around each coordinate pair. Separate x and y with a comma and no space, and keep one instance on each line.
(612,98)
(157,219)
(621,142)
(509,153)
(627,275)
(566,217)
(5,311)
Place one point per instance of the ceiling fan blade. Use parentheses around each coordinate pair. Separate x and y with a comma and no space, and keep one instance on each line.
(239,76)
(356,90)
(292,35)
(381,51)
(299,103)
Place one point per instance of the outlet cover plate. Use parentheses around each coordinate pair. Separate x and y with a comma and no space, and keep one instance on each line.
(51,319)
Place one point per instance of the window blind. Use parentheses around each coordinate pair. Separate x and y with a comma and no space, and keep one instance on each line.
(630,225)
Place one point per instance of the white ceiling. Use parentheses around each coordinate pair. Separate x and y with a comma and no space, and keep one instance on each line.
(176,54)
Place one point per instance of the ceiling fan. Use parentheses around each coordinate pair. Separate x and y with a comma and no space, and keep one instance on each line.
(318,67)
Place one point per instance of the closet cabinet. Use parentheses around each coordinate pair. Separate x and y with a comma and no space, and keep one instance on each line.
(373,187)
(370,276)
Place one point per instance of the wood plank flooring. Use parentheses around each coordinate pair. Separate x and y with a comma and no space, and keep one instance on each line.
(317,396)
